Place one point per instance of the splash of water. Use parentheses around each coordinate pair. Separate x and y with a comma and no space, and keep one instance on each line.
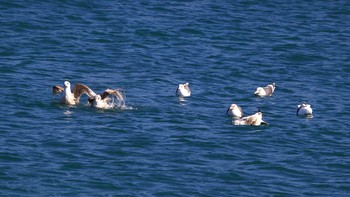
(118,101)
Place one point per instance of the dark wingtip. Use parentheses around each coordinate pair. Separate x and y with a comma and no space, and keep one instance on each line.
(264,123)
(228,109)
(91,100)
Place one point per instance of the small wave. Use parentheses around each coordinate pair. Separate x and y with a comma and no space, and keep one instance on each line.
(67,113)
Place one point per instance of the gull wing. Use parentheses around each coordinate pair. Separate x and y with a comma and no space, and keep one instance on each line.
(80,89)
(57,90)
(187,87)
(264,123)
(268,90)
(117,93)
(240,109)
(250,120)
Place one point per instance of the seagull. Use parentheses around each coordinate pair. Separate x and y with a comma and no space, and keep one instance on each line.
(304,109)
(183,90)
(235,111)
(265,91)
(70,97)
(254,120)
(103,101)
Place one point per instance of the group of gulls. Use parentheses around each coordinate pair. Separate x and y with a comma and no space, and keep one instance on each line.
(105,101)
(99,101)
(236,112)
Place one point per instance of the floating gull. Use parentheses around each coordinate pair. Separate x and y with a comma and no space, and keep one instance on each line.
(70,97)
(103,101)
(235,111)
(265,91)
(183,90)
(254,120)
(304,109)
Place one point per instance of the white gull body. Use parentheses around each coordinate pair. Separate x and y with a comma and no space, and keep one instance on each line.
(235,111)
(265,91)
(304,109)
(70,97)
(183,90)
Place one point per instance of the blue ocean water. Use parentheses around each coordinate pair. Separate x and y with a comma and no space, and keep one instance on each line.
(162,146)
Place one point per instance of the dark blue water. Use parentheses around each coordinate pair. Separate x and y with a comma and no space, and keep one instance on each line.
(161,146)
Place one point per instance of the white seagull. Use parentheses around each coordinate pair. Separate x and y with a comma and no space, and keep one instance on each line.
(70,97)
(254,120)
(183,90)
(304,109)
(265,91)
(235,111)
